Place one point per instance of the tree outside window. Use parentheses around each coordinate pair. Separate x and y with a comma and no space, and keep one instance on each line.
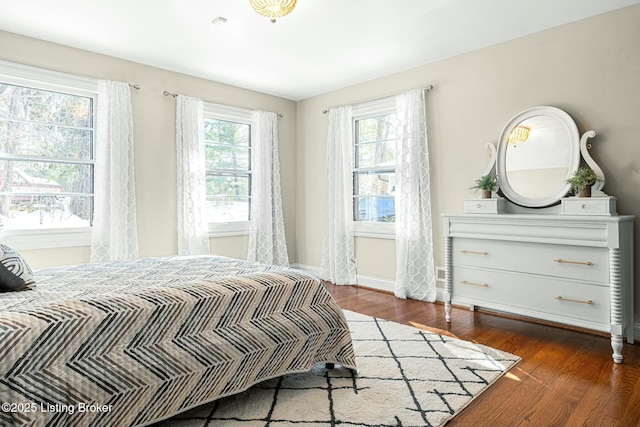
(46,158)
(228,170)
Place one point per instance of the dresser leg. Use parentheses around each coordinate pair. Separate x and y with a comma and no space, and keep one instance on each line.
(616,345)
(616,303)
(447,279)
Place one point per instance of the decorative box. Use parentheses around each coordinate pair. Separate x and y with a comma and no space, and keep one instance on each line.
(490,206)
(589,206)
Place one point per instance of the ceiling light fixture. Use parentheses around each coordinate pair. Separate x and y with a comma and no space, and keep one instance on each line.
(519,135)
(273,9)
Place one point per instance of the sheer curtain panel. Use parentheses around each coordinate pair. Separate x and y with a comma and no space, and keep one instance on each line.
(193,232)
(267,243)
(415,275)
(337,263)
(114,234)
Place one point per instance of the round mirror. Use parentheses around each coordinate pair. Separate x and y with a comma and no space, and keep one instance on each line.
(538,150)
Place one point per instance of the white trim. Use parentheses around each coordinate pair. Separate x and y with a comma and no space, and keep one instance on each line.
(376,230)
(315,271)
(28,75)
(236,115)
(45,79)
(227,229)
(374,108)
(46,238)
(363,111)
(371,282)
(228,113)
(377,283)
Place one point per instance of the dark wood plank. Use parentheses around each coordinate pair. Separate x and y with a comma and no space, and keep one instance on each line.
(566,377)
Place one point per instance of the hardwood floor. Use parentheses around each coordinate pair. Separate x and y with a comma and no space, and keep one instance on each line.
(566,377)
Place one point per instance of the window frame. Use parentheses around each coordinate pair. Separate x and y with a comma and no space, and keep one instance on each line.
(237,115)
(44,79)
(365,110)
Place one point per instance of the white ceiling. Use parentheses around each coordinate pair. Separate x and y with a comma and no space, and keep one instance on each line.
(321,46)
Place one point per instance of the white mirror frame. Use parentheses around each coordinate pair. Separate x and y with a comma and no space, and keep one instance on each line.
(501,167)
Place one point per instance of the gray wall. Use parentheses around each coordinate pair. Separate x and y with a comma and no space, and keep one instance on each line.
(155,149)
(590,68)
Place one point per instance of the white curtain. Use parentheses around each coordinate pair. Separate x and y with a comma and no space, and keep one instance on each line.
(267,242)
(193,233)
(337,263)
(114,233)
(415,276)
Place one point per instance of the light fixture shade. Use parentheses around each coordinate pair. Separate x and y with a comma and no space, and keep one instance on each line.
(273,9)
(519,135)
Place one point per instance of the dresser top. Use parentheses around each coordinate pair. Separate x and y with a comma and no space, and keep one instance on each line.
(581,230)
(542,217)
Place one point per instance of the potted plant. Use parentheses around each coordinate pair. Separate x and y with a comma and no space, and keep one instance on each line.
(582,180)
(487,184)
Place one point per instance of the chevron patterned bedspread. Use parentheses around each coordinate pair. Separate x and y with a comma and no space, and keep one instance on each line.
(132,342)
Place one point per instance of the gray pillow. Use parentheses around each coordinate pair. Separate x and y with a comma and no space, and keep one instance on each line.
(15,273)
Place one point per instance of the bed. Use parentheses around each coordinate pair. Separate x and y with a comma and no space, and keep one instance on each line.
(134,342)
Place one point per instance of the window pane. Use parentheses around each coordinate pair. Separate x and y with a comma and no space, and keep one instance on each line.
(222,156)
(376,154)
(223,132)
(45,140)
(52,126)
(375,183)
(29,104)
(227,148)
(375,148)
(228,185)
(227,208)
(45,177)
(376,209)
(379,128)
(29,212)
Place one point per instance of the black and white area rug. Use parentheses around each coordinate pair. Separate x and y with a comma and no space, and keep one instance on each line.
(407,377)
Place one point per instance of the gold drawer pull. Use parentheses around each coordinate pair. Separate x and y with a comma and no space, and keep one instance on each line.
(482,285)
(473,252)
(574,300)
(573,262)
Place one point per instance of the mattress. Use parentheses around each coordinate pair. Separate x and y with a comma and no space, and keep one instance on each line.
(133,342)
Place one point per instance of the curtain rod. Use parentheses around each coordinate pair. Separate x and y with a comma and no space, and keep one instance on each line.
(167,93)
(136,87)
(426,88)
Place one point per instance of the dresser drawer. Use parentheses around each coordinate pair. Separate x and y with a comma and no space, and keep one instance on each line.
(536,293)
(589,205)
(492,205)
(565,261)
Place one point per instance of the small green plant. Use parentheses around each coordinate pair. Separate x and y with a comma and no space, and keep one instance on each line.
(582,178)
(486,182)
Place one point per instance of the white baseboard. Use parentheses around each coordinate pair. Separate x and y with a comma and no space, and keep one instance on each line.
(389,286)
(366,281)
(371,282)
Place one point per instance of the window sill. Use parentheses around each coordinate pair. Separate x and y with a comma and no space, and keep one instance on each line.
(375,230)
(46,238)
(229,229)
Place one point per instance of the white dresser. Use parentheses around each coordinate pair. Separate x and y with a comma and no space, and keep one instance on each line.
(573,270)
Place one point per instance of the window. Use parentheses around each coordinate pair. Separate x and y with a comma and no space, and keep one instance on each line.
(374,162)
(228,166)
(47,134)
